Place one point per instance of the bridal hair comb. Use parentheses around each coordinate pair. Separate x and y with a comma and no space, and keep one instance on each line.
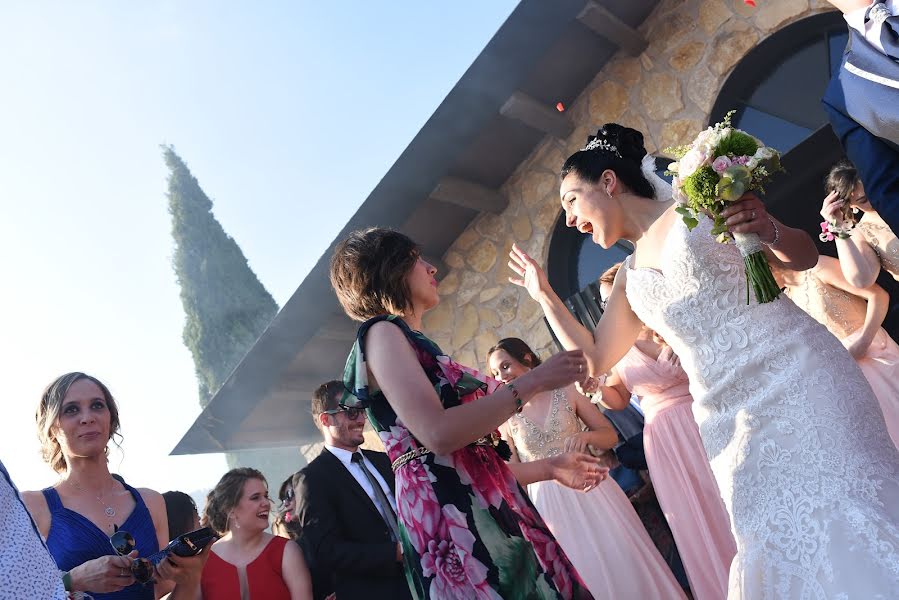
(598,143)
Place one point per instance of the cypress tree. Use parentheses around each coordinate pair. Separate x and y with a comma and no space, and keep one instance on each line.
(226,307)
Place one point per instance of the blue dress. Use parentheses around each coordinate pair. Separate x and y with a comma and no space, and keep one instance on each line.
(74,539)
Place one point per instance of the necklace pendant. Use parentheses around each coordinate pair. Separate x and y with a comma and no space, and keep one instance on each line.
(110,511)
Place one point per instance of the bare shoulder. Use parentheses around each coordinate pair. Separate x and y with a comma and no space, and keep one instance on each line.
(37,505)
(152,498)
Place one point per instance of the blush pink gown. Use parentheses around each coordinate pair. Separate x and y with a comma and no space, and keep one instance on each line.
(681,475)
(598,530)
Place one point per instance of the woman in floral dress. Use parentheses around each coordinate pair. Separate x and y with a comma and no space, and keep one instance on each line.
(467,528)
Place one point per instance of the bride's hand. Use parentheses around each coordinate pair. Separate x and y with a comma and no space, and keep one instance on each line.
(530,275)
(749,215)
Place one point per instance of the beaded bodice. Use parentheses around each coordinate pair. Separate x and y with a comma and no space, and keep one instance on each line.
(838,310)
(533,441)
(883,241)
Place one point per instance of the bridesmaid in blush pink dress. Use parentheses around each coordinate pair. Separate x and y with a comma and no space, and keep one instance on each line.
(598,529)
(680,472)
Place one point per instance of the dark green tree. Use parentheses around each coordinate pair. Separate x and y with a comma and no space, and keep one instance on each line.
(226,307)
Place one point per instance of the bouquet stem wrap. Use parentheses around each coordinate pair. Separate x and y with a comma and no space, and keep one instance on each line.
(758,273)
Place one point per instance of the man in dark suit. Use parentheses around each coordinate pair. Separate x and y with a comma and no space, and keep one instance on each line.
(346,509)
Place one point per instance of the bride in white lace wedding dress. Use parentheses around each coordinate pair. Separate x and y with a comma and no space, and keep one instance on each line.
(793,432)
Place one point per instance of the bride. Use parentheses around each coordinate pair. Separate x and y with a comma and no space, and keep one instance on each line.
(792,430)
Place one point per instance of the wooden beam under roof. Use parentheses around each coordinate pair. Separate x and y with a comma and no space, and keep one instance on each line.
(604,23)
(535,114)
(467,194)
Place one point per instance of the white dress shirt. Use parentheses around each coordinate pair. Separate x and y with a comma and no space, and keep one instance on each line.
(871,29)
(346,458)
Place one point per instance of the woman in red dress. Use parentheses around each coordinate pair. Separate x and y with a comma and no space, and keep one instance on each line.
(247,562)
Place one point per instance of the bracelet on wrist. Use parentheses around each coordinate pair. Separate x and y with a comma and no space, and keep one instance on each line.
(776,233)
(67,581)
(829,231)
(516,396)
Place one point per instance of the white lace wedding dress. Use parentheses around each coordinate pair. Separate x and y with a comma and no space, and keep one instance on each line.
(793,432)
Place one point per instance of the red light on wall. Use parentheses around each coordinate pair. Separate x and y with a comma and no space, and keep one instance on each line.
(749,3)
(560,107)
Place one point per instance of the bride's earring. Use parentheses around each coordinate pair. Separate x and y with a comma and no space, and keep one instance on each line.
(855,210)
(236,522)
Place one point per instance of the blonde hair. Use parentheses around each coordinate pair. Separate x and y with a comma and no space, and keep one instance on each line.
(47,416)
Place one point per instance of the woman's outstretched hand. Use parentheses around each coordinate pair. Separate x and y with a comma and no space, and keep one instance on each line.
(560,370)
(578,470)
(531,276)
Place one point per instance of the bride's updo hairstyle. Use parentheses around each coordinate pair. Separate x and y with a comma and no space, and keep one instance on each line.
(616,148)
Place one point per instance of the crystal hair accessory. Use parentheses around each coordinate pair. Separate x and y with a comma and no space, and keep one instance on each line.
(598,143)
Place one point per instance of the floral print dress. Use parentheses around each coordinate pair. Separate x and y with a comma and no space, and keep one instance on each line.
(468,530)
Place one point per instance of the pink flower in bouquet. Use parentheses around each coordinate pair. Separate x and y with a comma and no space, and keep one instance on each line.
(721,164)
(449,560)
(741,160)
(416,503)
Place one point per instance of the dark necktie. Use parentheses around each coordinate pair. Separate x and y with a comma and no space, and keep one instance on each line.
(380,497)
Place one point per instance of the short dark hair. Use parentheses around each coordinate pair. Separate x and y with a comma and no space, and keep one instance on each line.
(842,179)
(326,397)
(180,509)
(517,349)
(625,160)
(368,272)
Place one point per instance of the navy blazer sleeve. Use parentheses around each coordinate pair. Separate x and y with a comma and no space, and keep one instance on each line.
(876,161)
(322,540)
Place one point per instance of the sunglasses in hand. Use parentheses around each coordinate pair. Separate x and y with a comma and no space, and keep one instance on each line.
(142,569)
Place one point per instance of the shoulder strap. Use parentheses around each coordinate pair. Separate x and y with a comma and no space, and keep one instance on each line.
(52,498)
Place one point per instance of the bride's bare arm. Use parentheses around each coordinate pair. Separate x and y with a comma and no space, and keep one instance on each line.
(395,369)
(615,333)
(793,247)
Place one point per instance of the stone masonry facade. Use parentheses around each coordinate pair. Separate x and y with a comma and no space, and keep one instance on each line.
(667,93)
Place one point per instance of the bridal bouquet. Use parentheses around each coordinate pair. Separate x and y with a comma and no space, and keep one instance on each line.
(720,166)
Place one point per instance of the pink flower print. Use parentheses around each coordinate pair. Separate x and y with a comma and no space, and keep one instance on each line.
(417,505)
(396,441)
(450,369)
(487,483)
(552,560)
(456,573)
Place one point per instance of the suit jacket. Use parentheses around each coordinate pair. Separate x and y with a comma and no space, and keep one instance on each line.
(864,114)
(344,538)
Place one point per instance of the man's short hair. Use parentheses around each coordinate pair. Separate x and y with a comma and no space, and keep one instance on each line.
(325,398)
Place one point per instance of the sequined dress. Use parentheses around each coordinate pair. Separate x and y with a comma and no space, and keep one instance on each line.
(599,531)
(883,241)
(844,315)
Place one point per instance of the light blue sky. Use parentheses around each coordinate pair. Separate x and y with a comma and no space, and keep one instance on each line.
(288,113)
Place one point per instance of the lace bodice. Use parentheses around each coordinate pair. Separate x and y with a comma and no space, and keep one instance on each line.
(533,441)
(883,241)
(838,310)
(794,435)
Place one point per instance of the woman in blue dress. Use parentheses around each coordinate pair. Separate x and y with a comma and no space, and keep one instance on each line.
(77,418)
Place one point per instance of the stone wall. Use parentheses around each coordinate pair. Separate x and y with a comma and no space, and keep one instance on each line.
(667,93)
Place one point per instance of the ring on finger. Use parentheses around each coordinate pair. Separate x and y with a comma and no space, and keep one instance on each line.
(580,368)
(753,215)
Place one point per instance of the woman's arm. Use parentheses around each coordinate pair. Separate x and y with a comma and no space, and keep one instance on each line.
(156,505)
(859,264)
(295,573)
(615,333)
(396,371)
(846,6)
(878,303)
(601,435)
(613,395)
(793,247)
